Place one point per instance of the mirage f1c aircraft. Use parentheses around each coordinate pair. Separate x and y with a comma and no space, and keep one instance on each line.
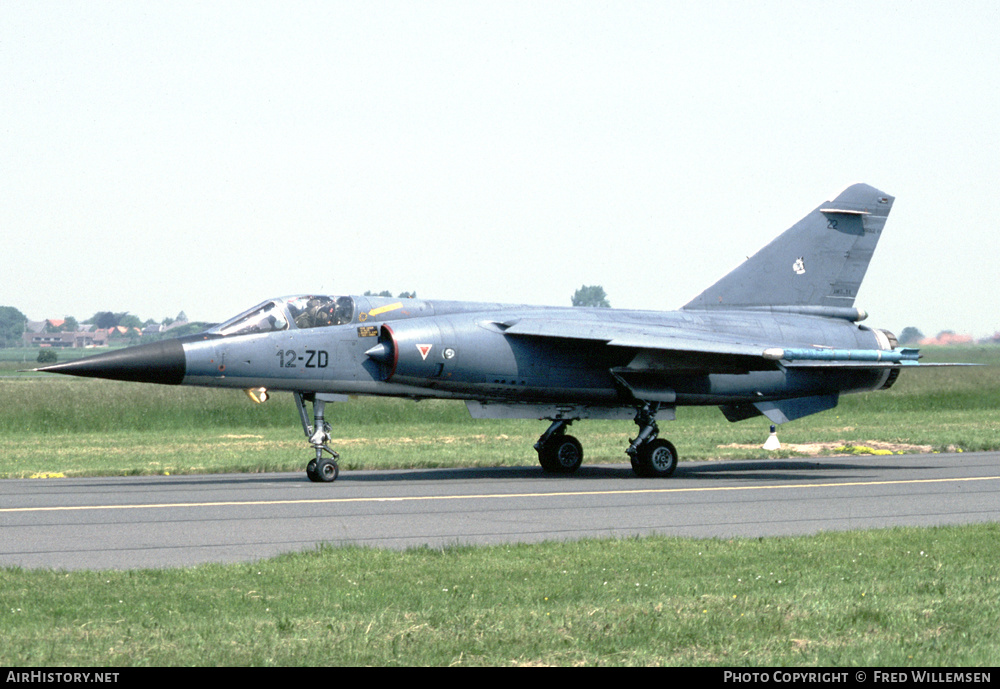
(779,336)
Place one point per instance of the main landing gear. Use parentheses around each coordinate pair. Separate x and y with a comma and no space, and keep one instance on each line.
(652,457)
(321,469)
(559,453)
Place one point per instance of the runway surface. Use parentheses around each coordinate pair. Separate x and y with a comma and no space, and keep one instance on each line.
(168,521)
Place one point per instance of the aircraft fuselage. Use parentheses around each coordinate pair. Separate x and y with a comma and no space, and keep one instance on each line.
(458,350)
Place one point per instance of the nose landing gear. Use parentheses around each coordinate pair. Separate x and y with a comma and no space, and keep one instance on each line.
(321,469)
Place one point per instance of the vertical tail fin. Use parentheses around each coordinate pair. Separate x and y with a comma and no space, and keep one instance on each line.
(820,261)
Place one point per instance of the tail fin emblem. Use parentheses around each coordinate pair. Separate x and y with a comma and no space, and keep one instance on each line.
(799,266)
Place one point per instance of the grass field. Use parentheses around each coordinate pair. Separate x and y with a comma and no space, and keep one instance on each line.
(917,597)
(900,597)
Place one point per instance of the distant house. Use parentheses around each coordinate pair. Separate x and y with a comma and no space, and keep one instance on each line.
(98,338)
(946,337)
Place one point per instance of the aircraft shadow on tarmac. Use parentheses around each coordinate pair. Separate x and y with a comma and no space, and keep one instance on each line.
(762,469)
(769,469)
(783,469)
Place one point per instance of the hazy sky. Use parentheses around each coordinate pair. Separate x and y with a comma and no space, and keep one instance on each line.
(160,156)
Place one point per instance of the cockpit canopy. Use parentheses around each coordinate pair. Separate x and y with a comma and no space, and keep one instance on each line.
(305,311)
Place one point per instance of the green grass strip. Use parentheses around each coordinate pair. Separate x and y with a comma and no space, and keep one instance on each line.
(899,597)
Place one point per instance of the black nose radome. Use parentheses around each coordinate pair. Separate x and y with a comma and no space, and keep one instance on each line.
(156,362)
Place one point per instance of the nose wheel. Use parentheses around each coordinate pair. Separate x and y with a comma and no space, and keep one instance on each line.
(322,469)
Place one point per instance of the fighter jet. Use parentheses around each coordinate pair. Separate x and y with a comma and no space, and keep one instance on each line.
(779,336)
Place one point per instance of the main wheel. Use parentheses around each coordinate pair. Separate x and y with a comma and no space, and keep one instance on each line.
(562,454)
(327,470)
(656,459)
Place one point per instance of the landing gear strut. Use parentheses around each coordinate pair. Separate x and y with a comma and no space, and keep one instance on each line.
(651,457)
(559,453)
(321,469)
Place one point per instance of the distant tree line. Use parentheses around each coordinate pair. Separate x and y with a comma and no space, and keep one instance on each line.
(12,324)
(591,295)
(910,335)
